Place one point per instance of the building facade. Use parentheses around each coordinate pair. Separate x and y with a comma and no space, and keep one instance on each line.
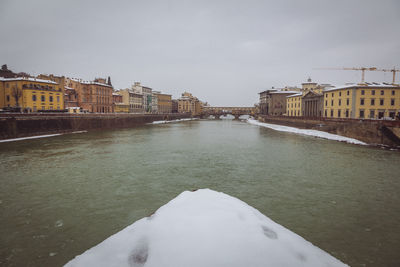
(175,105)
(147,96)
(293,105)
(187,103)
(92,96)
(265,99)
(276,102)
(118,105)
(154,101)
(31,94)
(363,101)
(133,99)
(164,103)
(312,104)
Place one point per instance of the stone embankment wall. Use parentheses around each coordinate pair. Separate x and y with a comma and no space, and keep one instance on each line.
(22,125)
(376,132)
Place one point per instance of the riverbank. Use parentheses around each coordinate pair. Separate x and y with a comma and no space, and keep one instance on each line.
(372,132)
(29,125)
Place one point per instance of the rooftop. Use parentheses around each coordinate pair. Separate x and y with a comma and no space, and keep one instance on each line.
(298,94)
(285,92)
(26,79)
(365,85)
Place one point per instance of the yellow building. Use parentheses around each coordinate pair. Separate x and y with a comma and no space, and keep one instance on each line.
(31,94)
(164,103)
(296,106)
(293,105)
(187,103)
(362,101)
(121,108)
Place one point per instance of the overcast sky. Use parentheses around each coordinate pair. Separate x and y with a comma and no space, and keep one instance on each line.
(224,52)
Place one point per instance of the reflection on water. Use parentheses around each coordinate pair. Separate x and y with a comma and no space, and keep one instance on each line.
(63,195)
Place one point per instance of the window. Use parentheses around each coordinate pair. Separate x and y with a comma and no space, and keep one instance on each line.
(33,97)
(372,102)
(393,92)
(382,92)
(347,101)
(326,102)
(331,112)
(8,98)
(372,114)
(51,98)
(392,114)
(362,92)
(332,94)
(338,113)
(340,102)
(373,92)
(381,102)
(340,93)
(381,114)
(331,102)
(392,102)
(347,113)
(348,92)
(362,101)
(326,113)
(58,98)
(43,98)
(361,113)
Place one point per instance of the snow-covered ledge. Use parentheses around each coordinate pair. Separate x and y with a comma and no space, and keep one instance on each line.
(205,229)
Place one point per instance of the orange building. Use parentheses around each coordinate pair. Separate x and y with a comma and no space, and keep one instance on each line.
(92,96)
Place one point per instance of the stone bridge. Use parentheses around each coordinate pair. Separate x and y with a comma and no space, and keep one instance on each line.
(235,111)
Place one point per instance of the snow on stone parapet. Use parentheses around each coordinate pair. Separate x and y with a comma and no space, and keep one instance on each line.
(308,132)
(205,228)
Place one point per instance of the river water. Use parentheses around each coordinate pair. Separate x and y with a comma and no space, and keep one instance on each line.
(62,195)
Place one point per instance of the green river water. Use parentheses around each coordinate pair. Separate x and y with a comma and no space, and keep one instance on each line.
(62,195)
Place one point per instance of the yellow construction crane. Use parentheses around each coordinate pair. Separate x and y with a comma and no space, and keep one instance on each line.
(363,69)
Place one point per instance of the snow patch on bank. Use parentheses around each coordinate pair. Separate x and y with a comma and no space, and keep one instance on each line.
(38,136)
(205,228)
(178,120)
(307,132)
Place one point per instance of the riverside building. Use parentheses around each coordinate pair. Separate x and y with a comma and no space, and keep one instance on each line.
(308,102)
(187,103)
(147,96)
(92,96)
(164,103)
(31,94)
(133,99)
(363,101)
(118,104)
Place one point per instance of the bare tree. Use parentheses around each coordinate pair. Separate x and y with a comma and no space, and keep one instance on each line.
(17,94)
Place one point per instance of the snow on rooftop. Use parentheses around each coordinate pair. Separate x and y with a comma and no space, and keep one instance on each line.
(27,79)
(205,229)
(366,85)
(298,94)
(285,92)
(89,82)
